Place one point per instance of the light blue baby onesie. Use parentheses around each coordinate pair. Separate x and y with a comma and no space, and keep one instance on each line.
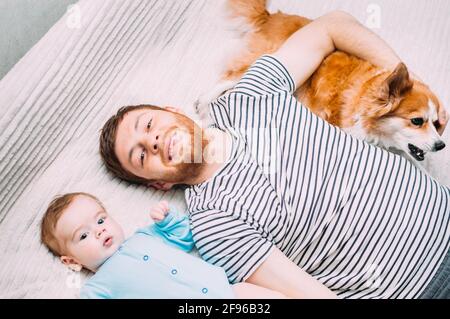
(154,263)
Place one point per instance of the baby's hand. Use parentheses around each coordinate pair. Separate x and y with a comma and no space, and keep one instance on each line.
(160,211)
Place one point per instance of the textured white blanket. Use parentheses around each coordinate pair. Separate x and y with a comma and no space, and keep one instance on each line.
(105,54)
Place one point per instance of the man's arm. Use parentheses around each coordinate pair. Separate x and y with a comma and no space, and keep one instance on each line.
(245,290)
(279,273)
(305,50)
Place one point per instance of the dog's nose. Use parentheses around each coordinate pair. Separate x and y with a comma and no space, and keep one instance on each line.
(439,145)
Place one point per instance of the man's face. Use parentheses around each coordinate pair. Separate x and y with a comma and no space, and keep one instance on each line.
(159,145)
(87,234)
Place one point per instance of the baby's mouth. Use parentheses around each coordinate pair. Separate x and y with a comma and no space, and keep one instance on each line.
(416,152)
(108,241)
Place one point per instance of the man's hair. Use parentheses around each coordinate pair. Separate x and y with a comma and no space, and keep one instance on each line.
(53,213)
(108,143)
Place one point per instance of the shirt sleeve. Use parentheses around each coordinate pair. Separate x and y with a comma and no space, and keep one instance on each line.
(93,291)
(173,229)
(226,241)
(266,75)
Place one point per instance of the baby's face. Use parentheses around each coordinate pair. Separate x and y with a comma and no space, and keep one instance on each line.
(87,233)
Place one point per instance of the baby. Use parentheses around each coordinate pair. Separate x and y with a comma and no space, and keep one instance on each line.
(152,263)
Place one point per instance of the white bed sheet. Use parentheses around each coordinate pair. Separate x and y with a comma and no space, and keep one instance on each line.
(55,100)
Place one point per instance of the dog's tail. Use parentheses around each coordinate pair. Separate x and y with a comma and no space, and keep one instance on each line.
(253,11)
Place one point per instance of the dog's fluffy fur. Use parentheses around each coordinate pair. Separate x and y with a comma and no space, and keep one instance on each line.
(383,107)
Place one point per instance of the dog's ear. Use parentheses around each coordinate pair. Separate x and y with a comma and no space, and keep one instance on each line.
(391,90)
(398,83)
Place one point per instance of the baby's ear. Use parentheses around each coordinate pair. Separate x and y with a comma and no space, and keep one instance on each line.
(71,263)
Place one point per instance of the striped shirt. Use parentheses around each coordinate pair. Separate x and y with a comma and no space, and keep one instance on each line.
(363,221)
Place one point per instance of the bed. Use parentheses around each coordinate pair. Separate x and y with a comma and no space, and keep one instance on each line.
(105,54)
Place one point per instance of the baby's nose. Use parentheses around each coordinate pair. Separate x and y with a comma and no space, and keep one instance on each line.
(99,233)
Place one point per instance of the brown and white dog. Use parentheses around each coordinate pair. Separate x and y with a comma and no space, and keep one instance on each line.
(386,108)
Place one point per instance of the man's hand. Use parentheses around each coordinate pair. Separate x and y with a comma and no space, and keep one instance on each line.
(443,118)
(245,290)
(160,211)
(279,273)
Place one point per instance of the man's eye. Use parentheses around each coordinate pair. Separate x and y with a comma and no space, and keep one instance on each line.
(417,121)
(101,221)
(83,236)
(149,124)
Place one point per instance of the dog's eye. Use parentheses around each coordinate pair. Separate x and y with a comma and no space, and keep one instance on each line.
(417,121)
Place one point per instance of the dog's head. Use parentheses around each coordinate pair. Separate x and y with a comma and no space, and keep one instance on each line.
(402,113)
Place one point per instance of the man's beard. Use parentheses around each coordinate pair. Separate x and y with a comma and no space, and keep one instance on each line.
(187,170)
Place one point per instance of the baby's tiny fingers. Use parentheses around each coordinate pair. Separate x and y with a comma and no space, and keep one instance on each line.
(155,211)
(160,211)
(164,205)
(158,217)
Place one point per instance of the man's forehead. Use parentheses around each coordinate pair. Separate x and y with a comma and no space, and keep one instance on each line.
(135,113)
(127,125)
(125,129)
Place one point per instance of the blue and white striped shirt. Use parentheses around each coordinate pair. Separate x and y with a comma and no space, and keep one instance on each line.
(363,221)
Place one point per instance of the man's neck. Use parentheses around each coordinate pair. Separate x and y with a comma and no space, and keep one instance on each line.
(215,154)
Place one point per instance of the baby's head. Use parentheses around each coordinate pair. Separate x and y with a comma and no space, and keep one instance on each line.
(77,228)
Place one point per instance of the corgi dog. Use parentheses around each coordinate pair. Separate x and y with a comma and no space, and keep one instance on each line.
(386,108)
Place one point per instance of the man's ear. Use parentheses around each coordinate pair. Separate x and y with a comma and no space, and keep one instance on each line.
(71,263)
(161,185)
(174,109)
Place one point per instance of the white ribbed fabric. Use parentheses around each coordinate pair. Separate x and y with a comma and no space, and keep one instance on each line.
(101,55)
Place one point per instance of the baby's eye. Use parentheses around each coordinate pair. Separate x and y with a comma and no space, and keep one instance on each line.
(83,236)
(101,221)
(149,124)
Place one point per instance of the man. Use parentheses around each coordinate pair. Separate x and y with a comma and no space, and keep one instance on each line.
(295,205)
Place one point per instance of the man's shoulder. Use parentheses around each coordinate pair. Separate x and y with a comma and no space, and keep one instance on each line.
(266,76)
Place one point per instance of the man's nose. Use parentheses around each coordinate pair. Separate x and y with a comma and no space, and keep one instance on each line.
(155,143)
(439,145)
